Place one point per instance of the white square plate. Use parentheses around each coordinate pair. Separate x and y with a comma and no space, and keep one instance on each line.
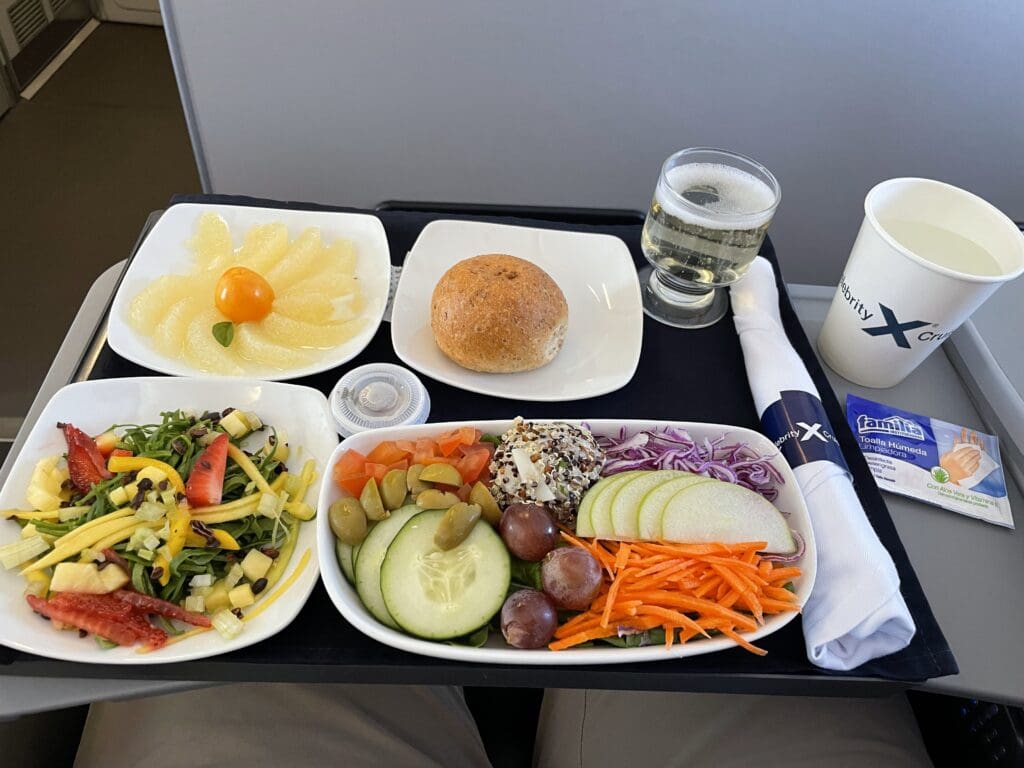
(95,405)
(597,276)
(790,501)
(165,251)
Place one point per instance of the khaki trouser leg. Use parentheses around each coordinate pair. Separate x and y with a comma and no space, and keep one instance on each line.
(282,725)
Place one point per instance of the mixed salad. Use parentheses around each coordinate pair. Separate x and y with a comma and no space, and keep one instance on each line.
(146,528)
(559,538)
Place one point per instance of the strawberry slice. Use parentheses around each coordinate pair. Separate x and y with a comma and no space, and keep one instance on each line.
(116,631)
(146,604)
(206,480)
(85,463)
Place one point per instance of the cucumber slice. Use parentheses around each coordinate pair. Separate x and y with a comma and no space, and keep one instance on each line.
(649,519)
(369,558)
(601,511)
(438,594)
(625,505)
(345,560)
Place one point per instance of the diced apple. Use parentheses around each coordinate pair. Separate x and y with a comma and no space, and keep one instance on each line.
(87,578)
(255,565)
(217,597)
(235,425)
(41,499)
(241,596)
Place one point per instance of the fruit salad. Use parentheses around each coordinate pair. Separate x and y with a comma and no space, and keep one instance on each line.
(558,538)
(271,303)
(145,530)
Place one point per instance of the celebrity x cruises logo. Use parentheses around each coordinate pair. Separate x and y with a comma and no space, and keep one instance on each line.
(893,327)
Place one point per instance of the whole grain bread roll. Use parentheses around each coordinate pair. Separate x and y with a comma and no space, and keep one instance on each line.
(498,314)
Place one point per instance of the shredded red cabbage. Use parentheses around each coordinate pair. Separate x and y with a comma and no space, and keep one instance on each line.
(673,448)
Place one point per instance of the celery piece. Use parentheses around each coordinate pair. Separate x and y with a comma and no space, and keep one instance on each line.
(71,513)
(201,580)
(227,624)
(195,603)
(17,552)
(150,511)
(234,575)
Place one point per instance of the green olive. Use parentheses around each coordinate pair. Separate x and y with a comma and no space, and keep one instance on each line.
(412,480)
(392,488)
(456,525)
(481,496)
(435,499)
(371,501)
(348,520)
(445,474)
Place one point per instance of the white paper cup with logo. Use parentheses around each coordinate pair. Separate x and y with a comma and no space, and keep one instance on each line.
(927,255)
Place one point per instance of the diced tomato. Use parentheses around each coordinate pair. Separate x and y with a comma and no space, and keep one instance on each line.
(376,471)
(387,453)
(449,441)
(464,491)
(121,452)
(353,485)
(205,483)
(409,446)
(349,463)
(472,464)
(426,449)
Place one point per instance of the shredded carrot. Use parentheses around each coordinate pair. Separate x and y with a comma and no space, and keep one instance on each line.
(689,590)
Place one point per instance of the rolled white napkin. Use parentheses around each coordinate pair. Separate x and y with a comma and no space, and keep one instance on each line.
(855,612)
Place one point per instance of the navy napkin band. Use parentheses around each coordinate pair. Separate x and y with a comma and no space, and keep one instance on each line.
(798,426)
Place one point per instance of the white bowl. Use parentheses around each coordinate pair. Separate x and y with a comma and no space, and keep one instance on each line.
(595,272)
(164,252)
(790,501)
(93,406)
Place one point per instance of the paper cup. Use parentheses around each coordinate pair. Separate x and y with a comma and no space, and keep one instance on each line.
(914,275)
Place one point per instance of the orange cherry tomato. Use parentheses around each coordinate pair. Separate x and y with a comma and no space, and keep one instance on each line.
(243,295)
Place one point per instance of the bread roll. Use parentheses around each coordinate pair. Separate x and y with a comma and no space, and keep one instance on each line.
(498,314)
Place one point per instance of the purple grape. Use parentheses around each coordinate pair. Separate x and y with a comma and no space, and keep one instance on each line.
(528,531)
(528,619)
(571,577)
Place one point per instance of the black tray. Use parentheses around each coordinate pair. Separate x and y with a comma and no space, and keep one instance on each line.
(683,375)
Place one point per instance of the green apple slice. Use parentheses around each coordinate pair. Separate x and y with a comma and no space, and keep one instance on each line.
(629,498)
(717,511)
(584,525)
(600,518)
(654,503)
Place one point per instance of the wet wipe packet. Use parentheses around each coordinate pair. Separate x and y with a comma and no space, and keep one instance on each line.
(931,460)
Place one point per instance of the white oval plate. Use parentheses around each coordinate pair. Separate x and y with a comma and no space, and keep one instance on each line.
(95,405)
(164,251)
(790,501)
(595,272)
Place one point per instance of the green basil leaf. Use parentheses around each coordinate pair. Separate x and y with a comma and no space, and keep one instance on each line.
(224,333)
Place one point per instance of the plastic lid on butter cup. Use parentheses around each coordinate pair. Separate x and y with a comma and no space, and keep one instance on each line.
(378,395)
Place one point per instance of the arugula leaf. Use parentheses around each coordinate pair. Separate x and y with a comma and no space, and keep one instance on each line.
(224,333)
(525,574)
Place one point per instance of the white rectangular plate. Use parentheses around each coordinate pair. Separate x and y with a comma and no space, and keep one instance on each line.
(597,276)
(790,501)
(165,251)
(95,405)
